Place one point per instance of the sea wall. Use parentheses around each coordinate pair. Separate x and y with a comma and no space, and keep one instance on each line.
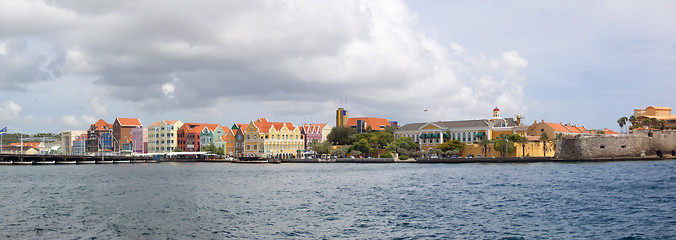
(638,144)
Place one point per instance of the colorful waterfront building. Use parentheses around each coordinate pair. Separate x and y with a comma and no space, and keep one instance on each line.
(189,136)
(314,133)
(272,139)
(163,136)
(238,130)
(227,142)
(122,131)
(80,145)
(210,133)
(67,138)
(100,137)
(139,139)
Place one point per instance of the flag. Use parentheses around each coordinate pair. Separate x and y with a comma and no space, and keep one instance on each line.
(3,131)
(427,109)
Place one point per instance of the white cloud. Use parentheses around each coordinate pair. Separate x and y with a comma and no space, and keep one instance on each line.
(99,107)
(9,111)
(73,122)
(270,53)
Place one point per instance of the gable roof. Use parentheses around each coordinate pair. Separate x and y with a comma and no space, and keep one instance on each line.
(125,122)
(154,124)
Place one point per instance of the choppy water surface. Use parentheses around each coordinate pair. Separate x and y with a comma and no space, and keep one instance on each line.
(623,200)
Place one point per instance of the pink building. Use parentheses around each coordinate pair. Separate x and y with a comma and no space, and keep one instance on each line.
(139,139)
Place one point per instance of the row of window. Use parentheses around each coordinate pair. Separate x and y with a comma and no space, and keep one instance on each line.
(274,136)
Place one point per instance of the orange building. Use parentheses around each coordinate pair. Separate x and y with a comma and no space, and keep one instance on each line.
(122,131)
(363,123)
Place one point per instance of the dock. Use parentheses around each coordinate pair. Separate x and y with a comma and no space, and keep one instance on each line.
(19,159)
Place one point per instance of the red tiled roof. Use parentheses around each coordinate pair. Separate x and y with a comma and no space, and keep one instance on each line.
(170,122)
(154,124)
(129,121)
(496,109)
(27,144)
(374,123)
(101,123)
(557,127)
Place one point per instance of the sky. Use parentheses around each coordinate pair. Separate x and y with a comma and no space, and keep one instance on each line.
(65,64)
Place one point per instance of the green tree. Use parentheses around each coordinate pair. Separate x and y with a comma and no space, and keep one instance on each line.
(390,129)
(219,151)
(320,147)
(503,144)
(355,153)
(451,145)
(397,145)
(178,149)
(362,146)
(435,151)
(340,135)
(633,121)
(516,138)
(341,152)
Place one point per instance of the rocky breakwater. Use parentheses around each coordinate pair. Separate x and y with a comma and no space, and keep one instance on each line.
(641,144)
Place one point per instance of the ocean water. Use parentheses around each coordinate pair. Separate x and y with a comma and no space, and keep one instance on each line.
(613,200)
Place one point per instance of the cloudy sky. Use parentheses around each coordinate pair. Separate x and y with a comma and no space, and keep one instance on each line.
(65,64)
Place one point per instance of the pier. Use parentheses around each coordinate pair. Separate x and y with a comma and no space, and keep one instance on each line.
(22,159)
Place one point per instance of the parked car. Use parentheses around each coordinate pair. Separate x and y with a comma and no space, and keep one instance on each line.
(434,156)
(454,156)
(470,155)
(479,156)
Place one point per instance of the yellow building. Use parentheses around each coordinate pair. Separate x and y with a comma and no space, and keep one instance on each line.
(432,134)
(341,117)
(660,113)
(272,139)
(162,137)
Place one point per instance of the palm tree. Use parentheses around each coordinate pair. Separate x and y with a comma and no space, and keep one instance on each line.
(544,138)
(622,122)
(633,121)
(485,142)
(523,140)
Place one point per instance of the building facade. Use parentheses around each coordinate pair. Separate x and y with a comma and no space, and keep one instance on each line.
(210,133)
(80,145)
(363,124)
(314,132)
(122,132)
(139,139)
(341,117)
(660,113)
(272,139)
(238,130)
(163,136)
(67,138)
(100,137)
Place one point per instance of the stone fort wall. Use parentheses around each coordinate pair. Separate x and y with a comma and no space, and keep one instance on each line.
(641,143)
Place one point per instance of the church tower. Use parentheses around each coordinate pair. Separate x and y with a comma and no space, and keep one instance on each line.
(496,113)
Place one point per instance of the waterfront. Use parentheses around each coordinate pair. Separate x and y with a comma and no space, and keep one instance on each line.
(610,200)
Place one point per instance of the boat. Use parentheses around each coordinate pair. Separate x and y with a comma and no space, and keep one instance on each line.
(6,163)
(136,161)
(122,161)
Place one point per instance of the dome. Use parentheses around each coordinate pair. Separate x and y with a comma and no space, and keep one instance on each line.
(496,109)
